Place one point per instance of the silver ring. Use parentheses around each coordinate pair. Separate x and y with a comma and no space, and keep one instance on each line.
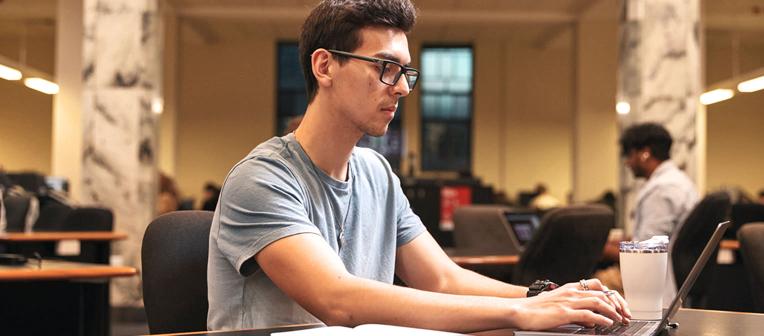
(583,284)
(610,292)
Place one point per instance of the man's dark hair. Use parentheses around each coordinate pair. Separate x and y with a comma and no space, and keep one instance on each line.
(650,135)
(334,24)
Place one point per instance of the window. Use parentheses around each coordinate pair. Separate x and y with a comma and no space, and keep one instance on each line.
(291,97)
(292,102)
(446,108)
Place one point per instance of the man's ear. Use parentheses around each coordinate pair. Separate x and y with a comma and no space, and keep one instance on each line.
(321,63)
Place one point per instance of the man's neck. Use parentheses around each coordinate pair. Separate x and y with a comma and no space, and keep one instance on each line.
(652,167)
(327,139)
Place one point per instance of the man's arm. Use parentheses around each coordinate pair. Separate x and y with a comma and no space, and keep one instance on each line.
(422,264)
(311,273)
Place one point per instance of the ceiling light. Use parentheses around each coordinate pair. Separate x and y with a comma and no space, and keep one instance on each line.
(41,85)
(9,73)
(622,107)
(157,105)
(751,85)
(715,96)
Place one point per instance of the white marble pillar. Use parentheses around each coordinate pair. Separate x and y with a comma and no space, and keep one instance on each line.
(659,76)
(121,79)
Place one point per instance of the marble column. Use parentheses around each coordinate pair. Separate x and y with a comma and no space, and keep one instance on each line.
(659,76)
(121,80)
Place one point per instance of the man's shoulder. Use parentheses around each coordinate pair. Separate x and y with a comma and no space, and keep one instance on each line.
(370,158)
(272,157)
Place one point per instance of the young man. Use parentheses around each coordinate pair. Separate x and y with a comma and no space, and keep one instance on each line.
(310,228)
(669,195)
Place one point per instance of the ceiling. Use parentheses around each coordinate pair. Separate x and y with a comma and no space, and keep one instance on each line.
(539,22)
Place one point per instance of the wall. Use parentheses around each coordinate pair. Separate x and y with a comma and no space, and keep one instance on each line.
(25,114)
(225,107)
(226,104)
(735,137)
(595,133)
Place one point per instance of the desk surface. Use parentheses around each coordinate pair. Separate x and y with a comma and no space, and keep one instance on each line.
(509,259)
(61,235)
(63,270)
(692,322)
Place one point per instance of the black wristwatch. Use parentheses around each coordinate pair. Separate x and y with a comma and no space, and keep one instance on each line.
(539,286)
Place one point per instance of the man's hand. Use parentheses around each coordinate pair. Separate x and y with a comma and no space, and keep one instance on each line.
(572,304)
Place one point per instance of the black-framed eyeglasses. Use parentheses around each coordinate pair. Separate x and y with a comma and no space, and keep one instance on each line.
(389,71)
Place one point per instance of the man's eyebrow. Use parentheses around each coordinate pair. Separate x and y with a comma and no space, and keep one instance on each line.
(389,56)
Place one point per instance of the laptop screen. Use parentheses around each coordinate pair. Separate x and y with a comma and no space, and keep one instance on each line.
(524,225)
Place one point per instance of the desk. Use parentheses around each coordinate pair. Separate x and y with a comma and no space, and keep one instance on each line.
(95,246)
(692,322)
(63,270)
(492,260)
(60,298)
(61,235)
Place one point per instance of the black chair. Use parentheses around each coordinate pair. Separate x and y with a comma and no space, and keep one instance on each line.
(743,213)
(567,246)
(174,262)
(751,237)
(16,209)
(481,230)
(690,239)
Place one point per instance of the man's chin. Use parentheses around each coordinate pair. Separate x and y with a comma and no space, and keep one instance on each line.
(376,132)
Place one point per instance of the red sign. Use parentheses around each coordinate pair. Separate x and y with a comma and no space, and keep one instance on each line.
(452,197)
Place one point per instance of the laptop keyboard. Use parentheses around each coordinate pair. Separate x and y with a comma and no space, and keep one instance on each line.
(633,328)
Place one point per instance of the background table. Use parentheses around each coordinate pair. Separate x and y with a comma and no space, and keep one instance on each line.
(95,246)
(59,298)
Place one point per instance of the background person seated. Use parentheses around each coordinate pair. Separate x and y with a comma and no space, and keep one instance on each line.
(544,200)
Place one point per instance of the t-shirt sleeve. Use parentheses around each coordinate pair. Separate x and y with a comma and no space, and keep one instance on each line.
(408,223)
(261,202)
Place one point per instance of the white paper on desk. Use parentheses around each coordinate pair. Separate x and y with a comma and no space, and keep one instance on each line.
(68,247)
(365,330)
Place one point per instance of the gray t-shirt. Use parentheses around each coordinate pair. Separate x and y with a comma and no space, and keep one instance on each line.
(276,191)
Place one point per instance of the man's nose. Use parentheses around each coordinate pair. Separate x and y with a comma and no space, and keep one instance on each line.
(401,87)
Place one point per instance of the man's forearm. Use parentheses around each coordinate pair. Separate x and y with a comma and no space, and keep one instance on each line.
(467,282)
(361,301)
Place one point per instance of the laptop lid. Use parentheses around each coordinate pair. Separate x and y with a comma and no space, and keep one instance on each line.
(712,244)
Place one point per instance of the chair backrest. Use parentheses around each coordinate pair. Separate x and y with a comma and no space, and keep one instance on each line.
(89,219)
(691,237)
(751,237)
(567,246)
(16,209)
(481,230)
(174,262)
(743,213)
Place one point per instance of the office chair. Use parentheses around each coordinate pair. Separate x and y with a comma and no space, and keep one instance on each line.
(567,246)
(743,213)
(16,211)
(751,237)
(174,261)
(481,230)
(690,239)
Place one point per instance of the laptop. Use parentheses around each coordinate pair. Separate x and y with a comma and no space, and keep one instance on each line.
(523,225)
(646,327)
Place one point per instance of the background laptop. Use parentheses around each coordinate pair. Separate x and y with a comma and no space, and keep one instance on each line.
(523,224)
(647,327)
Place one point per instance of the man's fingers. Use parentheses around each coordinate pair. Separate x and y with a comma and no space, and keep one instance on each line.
(589,318)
